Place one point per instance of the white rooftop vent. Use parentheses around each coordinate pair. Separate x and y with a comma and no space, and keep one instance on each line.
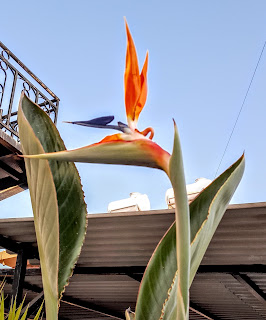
(193,190)
(136,202)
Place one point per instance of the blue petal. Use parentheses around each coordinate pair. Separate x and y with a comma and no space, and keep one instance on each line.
(101,121)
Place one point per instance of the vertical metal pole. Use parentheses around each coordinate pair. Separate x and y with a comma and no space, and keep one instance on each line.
(12,97)
(56,111)
(19,276)
(37,96)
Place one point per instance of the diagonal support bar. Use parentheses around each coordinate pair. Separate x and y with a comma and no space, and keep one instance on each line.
(251,287)
(34,305)
(92,307)
(202,312)
(13,173)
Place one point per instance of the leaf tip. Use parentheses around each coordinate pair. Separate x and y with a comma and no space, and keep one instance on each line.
(174,122)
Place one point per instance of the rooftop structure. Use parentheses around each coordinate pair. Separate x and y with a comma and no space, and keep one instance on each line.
(230,282)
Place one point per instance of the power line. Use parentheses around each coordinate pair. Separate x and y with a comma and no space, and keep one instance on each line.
(241,108)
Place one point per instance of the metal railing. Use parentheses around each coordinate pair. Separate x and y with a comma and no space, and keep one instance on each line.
(14,78)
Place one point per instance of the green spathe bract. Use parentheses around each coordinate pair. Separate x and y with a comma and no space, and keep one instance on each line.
(158,289)
(134,153)
(57,200)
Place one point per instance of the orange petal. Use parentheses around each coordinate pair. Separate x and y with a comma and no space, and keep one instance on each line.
(147,131)
(143,90)
(113,137)
(131,78)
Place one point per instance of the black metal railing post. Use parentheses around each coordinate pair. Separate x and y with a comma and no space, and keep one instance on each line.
(19,276)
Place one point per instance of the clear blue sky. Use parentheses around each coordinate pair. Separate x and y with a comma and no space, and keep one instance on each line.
(202,56)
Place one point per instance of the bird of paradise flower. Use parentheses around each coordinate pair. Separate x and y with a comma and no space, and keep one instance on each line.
(134,147)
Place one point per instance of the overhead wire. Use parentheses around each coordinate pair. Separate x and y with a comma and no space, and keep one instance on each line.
(241,108)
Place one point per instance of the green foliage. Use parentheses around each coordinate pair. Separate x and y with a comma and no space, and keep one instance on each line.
(57,200)
(14,312)
(158,289)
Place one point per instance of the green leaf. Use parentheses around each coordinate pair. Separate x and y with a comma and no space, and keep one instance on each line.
(12,310)
(18,311)
(25,315)
(39,312)
(177,177)
(57,202)
(2,307)
(157,293)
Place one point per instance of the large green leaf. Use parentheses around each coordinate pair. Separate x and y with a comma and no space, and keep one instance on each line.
(157,292)
(177,177)
(57,201)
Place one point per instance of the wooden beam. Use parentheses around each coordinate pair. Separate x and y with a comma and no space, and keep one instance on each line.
(231,269)
(134,272)
(110,270)
(14,246)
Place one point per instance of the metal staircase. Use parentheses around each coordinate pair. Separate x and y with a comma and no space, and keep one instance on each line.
(15,77)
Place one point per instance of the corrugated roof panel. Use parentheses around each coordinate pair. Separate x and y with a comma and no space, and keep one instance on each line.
(259,279)
(128,239)
(223,296)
